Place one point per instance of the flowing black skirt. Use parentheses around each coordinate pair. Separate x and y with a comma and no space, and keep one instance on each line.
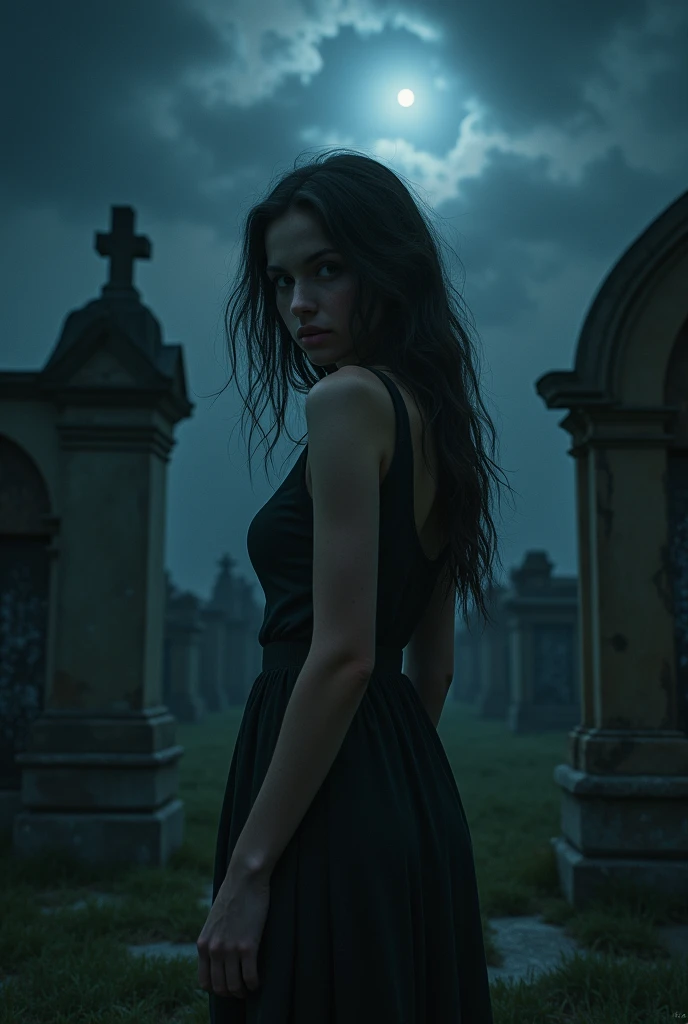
(374,915)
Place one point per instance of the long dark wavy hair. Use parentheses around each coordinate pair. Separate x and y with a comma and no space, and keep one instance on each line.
(370,217)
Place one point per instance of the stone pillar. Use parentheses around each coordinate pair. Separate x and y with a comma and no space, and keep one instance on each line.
(467,680)
(494,696)
(624,789)
(100,772)
(214,659)
(541,614)
(183,639)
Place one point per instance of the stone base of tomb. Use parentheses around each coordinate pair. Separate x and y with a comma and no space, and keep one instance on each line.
(103,788)
(627,829)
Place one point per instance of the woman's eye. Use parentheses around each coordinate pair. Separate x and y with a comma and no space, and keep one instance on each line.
(330,266)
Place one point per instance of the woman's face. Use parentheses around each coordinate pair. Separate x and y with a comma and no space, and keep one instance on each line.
(318,292)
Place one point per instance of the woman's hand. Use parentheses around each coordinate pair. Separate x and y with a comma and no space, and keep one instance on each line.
(228,945)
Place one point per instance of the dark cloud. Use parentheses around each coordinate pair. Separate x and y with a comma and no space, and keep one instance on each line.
(81,85)
(74,81)
(546,135)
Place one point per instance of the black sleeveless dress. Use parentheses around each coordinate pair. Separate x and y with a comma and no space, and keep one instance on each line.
(374,915)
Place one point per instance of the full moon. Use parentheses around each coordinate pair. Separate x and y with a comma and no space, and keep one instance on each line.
(406,98)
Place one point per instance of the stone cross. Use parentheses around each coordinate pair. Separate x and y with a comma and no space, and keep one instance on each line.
(123,247)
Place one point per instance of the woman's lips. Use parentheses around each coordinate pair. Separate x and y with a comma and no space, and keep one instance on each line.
(309,340)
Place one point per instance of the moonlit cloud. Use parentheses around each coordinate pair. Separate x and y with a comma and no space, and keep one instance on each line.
(544,136)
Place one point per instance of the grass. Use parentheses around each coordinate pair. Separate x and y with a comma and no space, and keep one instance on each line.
(73,967)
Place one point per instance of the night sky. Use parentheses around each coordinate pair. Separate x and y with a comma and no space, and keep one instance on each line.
(546,137)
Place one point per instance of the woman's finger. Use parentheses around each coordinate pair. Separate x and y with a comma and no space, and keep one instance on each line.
(218,979)
(230,977)
(249,970)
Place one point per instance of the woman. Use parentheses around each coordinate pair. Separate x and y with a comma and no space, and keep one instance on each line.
(344,886)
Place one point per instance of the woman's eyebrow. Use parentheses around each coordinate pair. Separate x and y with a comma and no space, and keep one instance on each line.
(309,259)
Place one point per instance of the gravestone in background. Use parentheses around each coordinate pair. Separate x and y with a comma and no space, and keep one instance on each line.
(88,440)
(624,789)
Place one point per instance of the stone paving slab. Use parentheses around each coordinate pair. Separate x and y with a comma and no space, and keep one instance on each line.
(168,950)
(531,947)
